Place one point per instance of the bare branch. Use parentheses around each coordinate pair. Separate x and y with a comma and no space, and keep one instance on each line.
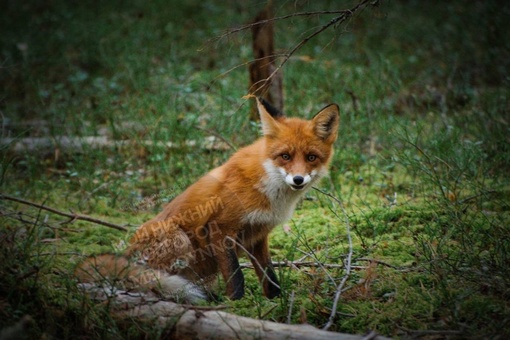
(73,217)
(293,15)
(216,134)
(344,15)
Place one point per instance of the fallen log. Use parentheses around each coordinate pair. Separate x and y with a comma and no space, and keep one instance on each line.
(215,324)
(74,144)
(206,322)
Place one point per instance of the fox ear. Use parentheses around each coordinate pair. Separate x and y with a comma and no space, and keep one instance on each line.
(273,111)
(326,123)
(268,117)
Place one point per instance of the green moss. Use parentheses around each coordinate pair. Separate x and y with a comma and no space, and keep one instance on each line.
(421,163)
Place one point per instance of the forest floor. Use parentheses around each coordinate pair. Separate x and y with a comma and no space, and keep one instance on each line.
(418,196)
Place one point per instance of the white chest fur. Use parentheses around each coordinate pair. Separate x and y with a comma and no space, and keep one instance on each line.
(282,198)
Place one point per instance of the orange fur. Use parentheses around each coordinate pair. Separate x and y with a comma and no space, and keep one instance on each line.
(235,206)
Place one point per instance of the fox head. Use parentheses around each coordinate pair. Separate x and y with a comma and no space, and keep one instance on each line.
(298,151)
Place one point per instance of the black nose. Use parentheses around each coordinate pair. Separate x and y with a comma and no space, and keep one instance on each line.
(298,180)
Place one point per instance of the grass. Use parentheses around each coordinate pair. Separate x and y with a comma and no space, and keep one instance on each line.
(423,91)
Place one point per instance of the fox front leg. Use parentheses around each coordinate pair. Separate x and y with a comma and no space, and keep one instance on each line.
(230,270)
(264,268)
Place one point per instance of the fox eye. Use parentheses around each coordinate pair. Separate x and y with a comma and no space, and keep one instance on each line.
(285,156)
(311,158)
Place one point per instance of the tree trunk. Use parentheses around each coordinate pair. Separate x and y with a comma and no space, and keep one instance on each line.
(264,64)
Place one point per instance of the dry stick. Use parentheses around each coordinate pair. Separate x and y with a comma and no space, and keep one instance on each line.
(298,264)
(341,285)
(345,14)
(73,216)
(382,263)
(291,304)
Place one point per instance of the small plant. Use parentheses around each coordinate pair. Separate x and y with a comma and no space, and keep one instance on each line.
(464,243)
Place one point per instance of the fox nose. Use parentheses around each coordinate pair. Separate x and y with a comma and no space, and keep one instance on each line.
(298,180)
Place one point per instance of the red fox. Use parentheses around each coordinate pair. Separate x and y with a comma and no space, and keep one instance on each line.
(228,212)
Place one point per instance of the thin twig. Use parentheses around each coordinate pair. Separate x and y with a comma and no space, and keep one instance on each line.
(288,16)
(344,15)
(348,267)
(65,253)
(254,261)
(319,263)
(291,304)
(221,75)
(314,264)
(467,199)
(297,264)
(205,308)
(61,213)
(382,263)
(432,332)
(263,316)
(216,134)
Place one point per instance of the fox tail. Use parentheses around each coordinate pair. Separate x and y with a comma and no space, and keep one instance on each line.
(109,270)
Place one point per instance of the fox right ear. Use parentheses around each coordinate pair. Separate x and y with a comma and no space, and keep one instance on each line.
(268,117)
(326,123)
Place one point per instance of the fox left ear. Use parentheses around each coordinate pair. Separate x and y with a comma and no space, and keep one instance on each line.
(326,123)
(268,117)
(273,111)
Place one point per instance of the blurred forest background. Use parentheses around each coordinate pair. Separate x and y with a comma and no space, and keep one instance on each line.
(112,108)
